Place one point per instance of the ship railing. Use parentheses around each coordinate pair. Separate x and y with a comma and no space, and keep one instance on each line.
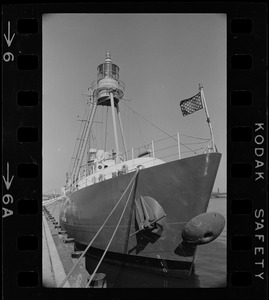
(170,148)
(121,85)
(167,149)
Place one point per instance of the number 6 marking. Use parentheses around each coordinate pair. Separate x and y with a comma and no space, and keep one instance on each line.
(8,56)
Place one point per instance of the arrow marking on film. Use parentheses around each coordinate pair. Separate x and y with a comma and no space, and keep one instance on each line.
(7,181)
(7,38)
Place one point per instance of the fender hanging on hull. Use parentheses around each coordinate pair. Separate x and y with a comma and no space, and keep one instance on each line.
(181,188)
(203,228)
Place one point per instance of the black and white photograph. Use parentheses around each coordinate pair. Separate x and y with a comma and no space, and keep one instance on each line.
(134,150)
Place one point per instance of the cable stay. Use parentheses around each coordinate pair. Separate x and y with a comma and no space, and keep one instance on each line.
(132,181)
(71,166)
(56,203)
(140,132)
(135,112)
(170,136)
(79,140)
(112,237)
(82,146)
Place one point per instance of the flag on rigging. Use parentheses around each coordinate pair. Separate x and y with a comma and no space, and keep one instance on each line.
(191,105)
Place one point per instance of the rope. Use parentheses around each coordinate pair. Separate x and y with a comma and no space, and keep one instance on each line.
(57,202)
(78,141)
(135,112)
(110,241)
(87,248)
(106,128)
(140,130)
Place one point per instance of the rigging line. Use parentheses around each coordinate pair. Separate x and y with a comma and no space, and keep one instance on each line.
(140,131)
(126,243)
(81,136)
(102,125)
(93,239)
(77,142)
(149,122)
(194,137)
(192,151)
(128,125)
(95,127)
(156,126)
(106,127)
(112,237)
(94,130)
(57,202)
(54,206)
(198,143)
(205,140)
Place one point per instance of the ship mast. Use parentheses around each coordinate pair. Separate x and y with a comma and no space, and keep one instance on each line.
(107,91)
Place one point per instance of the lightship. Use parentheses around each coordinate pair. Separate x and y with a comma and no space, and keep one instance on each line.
(139,210)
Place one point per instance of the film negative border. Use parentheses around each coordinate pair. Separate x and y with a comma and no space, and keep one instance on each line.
(246,169)
(246,155)
(21,159)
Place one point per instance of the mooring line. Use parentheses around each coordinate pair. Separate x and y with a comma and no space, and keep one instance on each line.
(87,248)
(57,202)
(112,237)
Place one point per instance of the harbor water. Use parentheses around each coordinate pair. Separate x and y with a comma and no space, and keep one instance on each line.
(210,267)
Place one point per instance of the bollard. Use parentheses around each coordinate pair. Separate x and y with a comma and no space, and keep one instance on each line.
(61,232)
(68,240)
(98,281)
(76,254)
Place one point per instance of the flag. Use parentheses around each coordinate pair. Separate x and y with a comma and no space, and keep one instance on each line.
(191,105)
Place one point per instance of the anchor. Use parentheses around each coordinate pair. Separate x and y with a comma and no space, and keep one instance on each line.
(149,216)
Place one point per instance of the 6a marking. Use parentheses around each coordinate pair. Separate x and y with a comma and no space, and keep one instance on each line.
(7,198)
(8,56)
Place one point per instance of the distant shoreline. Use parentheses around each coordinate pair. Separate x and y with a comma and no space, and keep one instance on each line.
(219,196)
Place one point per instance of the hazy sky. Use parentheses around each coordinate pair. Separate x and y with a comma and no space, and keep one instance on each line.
(162,59)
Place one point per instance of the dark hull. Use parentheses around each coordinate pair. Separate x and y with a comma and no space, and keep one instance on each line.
(181,187)
(122,263)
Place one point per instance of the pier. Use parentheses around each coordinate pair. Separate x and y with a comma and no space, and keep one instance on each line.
(58,255)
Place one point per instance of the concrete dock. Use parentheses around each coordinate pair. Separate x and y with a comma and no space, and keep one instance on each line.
(56,255)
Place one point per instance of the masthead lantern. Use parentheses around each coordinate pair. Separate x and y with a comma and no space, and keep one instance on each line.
(107,82)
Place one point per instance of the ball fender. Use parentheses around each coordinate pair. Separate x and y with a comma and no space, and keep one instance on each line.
(203,228)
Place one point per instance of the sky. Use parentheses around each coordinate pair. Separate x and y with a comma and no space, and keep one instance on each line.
(162,59)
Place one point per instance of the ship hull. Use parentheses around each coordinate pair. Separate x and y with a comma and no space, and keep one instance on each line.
(182,188)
